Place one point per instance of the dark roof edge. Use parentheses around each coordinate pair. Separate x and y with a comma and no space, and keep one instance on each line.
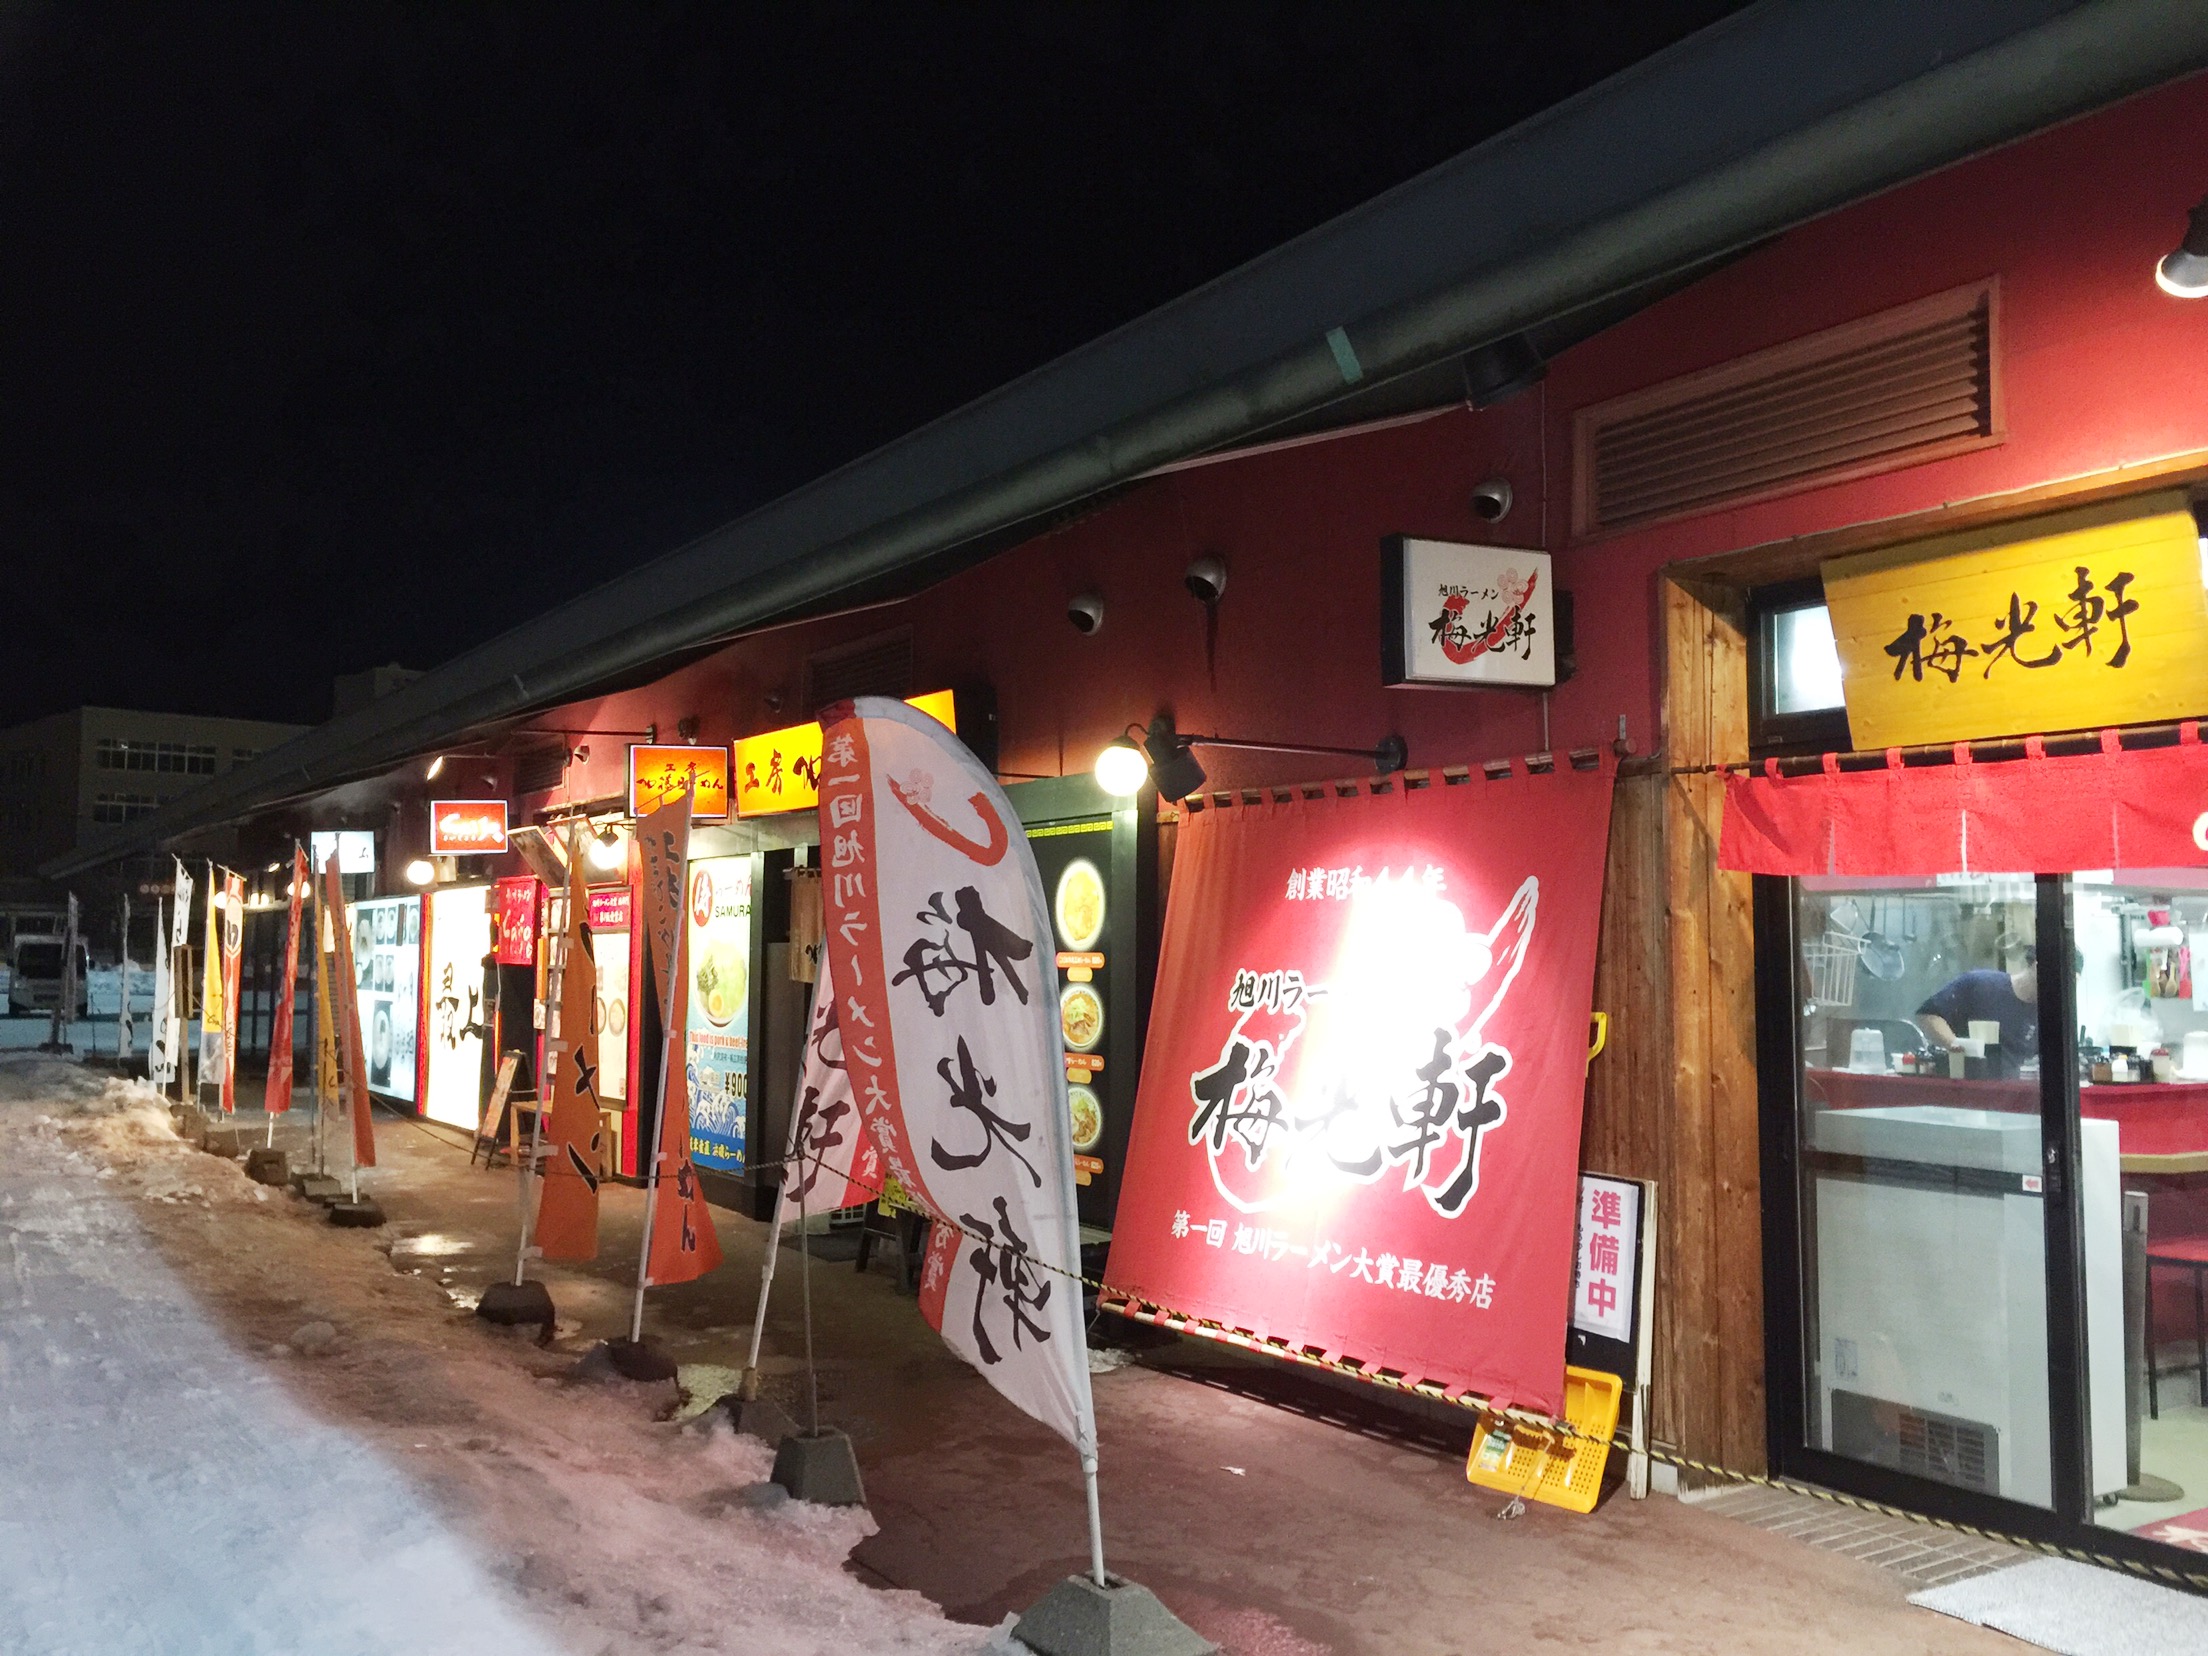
(1773,117)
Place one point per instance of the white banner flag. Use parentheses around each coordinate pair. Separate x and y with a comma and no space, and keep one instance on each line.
(939,956)
(180,916)
(161,1041)
(831,1163)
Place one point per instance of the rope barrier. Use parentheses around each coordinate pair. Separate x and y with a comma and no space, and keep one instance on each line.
(1138,1309)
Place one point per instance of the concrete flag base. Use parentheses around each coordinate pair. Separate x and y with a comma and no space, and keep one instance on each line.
(364,1214)
(760,1417)
(640,1360)
(516,1305)
(221,1141)
(819,1467)
(318,1187)
(1079,1618)
(187,1121)
(266,1166)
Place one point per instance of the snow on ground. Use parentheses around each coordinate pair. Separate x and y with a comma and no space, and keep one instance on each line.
(175,1478)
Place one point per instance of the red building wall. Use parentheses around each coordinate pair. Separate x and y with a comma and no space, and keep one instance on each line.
(2099,370)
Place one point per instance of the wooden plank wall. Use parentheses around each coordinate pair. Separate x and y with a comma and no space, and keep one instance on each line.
(1674,1096)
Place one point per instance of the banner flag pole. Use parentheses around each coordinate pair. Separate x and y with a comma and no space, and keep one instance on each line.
(667,1051)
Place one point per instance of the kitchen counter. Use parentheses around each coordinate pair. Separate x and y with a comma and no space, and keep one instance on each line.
(2162,1127)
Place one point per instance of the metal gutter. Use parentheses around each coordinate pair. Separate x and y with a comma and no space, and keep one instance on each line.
(1774,116)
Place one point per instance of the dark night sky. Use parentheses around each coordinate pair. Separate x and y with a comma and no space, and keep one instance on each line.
(339,335)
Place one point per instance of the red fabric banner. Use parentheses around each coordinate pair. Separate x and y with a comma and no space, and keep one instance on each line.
(277,1098)
(685,1246)
(1358,1122)
(2041,814)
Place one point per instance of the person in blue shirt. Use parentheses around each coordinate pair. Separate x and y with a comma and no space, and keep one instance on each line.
(2010,999)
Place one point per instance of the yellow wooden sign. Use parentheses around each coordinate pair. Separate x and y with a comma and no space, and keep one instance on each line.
(779,770)
(2077,621)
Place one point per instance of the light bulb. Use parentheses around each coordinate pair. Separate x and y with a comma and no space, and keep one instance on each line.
(421,871)
(1121,770)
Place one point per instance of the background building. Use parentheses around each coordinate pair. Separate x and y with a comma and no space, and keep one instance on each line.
(66,778)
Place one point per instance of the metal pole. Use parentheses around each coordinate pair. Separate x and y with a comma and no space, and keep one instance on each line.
(554,982)
(659,1131)
(805,1275)
(1096,1522)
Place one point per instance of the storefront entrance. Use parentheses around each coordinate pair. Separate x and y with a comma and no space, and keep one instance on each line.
(1987,1147)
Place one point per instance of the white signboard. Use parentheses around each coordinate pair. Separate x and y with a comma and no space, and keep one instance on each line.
(355,848)
(1467,615)
(459,1023)
(387,955)
(1603,1278)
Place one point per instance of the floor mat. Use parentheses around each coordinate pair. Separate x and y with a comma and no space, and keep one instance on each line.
(2187,1529)
(2077,1609)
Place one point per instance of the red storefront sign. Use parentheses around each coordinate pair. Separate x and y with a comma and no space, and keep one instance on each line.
(466,827)
(1358,1123)
(609,909)
(520,903)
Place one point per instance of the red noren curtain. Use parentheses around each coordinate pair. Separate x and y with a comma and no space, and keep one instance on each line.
(2041,814)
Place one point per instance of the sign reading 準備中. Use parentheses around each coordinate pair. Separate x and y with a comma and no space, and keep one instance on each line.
(2089,618)
(1357,1126)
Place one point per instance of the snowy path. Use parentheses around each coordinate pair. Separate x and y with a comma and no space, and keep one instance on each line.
(174,1481)
(164,1495)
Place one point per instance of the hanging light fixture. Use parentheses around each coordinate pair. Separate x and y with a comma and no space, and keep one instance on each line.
(1166,759)
(2183,272)
(421,871)
(606,850)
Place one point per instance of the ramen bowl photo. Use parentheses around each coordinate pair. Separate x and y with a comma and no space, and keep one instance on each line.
(1081,1016)
(1088,1117)
(1080,904)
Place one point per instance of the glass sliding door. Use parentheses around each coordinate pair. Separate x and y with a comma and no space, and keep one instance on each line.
(2141,965)
(1921,1183)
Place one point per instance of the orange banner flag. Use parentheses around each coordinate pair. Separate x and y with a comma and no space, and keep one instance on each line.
(233,954)
(684,1243)
(345,1011)
(567,1208)
(277,1099)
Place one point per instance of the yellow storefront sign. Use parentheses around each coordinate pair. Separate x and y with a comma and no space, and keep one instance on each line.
(2093,617)
(779,770)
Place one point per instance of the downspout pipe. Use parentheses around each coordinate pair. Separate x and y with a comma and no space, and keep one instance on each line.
(1896,89)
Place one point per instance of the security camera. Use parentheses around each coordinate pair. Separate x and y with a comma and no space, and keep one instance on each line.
(1206,578)
(1491,500)
(1085,612)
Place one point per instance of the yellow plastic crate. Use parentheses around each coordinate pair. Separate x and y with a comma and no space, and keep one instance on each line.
(1543,1464)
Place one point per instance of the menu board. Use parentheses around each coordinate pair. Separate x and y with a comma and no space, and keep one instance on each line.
(387,955)
(609,943)
(1074,860)
(717,1032)
(459,938)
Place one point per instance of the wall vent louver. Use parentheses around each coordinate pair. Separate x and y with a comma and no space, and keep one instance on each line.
(539,769)
(877,666)
(1897,389)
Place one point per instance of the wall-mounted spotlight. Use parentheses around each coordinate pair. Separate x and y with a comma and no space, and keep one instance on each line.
(1491,500)
(686,729)
(421,872)
(1206,579)
(580,754)
(2183,273)
(436,769)
(1165,759)
(1086,612)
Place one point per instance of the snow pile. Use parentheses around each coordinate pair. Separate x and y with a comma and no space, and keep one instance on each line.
(421,1484)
